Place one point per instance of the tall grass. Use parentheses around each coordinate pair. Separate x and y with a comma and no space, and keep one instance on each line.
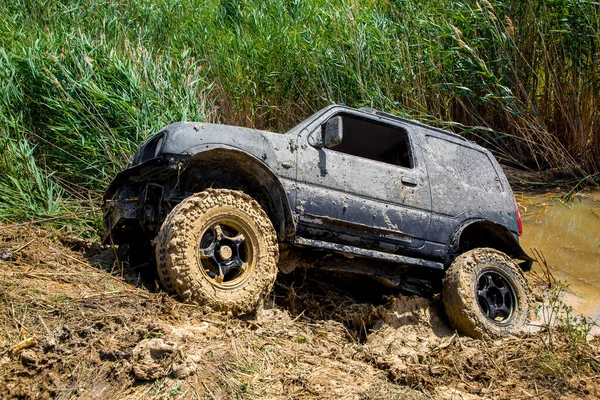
(83,82)
(25,190)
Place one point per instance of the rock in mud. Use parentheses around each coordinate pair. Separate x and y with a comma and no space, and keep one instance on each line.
(48,343)
(185,367)
(152,359)
(29,358)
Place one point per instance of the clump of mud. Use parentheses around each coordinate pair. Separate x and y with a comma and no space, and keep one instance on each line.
(409,328)
(410,321)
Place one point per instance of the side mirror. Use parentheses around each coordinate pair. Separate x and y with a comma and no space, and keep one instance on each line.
(333,132)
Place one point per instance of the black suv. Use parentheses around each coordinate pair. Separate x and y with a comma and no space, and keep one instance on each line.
(414,206)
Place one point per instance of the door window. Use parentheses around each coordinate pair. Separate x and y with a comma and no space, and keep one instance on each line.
(375,141)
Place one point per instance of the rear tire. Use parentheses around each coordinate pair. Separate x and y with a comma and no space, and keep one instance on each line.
(486,295)
(218,248)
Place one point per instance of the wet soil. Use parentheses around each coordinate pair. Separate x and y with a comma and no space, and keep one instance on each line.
(77,323)
(566,235)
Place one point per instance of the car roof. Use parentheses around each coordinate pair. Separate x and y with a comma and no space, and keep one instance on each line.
(384,114)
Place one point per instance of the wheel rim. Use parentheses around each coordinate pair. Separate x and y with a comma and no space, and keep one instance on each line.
(496,297)
(225,253)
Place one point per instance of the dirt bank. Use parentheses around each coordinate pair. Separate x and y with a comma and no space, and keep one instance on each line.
(76,323)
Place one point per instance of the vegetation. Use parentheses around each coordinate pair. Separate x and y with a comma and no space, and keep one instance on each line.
(565,351)
(84,82)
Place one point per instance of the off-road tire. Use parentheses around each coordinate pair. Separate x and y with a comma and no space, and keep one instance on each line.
(182,266)
(460,294)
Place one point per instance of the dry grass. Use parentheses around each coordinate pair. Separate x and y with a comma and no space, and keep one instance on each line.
(72,329)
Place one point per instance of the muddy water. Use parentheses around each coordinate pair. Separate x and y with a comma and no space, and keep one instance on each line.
(568,236)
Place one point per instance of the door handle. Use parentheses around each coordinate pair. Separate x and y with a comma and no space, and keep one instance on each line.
(408,181)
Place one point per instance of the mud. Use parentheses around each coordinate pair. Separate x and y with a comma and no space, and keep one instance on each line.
(69,329)
(566,234)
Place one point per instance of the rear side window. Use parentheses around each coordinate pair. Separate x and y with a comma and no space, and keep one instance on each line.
(378,142)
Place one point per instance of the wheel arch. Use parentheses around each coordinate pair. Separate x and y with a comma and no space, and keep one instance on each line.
(226,168)
(484,233)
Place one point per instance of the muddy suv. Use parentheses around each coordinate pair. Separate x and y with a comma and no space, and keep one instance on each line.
(411,205)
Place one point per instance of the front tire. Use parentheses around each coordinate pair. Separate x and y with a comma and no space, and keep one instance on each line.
(218,248)
(486,295)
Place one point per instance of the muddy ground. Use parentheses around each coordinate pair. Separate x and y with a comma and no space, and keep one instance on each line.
(76,323)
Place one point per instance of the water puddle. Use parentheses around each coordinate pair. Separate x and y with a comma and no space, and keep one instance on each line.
(568,236)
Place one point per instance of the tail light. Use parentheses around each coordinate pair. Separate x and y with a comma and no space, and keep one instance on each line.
(519,217)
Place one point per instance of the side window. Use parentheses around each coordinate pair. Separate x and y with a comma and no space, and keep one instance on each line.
(378,142)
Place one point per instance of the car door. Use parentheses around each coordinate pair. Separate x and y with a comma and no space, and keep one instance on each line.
(369,191)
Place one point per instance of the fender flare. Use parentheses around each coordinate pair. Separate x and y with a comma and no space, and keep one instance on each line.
(502,239)
(253,176)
